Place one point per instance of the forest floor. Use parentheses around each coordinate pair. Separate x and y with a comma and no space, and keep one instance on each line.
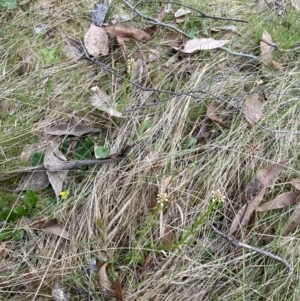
(197,143)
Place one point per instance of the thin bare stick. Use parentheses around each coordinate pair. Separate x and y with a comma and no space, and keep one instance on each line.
(153,20)
(269,43)
(237,243)
(202,13)
(250,56)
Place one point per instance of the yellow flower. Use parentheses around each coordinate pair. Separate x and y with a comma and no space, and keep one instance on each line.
(64,194)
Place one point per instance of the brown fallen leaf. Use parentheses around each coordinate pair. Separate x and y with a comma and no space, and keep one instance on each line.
(264,178)
(137,72)
(243,216)
(54,157)
(35,180)
(293,222)
(123,47)
(118,288)
(100,100)
(96,41)
(270,173)
(52,226)
(71,128)
(267,50)
(295,183)
(104,280)
(29,150)
(181,13)
(124,30)
(212,114)
(196,44)
(58,230)
(71,52)
(253,109)
(255,191)
(165,182)
(283,200)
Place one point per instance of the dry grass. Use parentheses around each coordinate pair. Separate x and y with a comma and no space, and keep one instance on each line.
(107,213)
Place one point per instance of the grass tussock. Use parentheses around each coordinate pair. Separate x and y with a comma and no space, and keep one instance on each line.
(112,212)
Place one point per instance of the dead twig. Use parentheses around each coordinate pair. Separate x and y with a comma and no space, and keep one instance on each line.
(237,243)
(250,56)
(154,21)
(202,14)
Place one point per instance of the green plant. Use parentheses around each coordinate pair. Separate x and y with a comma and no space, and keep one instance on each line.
(10,215)
(101,152)
(10,4)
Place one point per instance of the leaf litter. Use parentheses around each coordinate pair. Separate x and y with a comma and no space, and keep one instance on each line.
(96,41)
(105,283)
(35,180)
(283,200)
(196,44)
(124,31)
(258,186)
(267,49)
(212,114)
(52,226)
(181,14)
(54,157)
(73,128)
(100,101)
(99,13)
(254,194)
(253,109)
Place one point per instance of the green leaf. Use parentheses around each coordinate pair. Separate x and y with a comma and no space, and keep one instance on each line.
(191,142)
(5,233)
(8,215)
(18,234)
(145,126)
(101,152)
(84,149)
(37,158)
(89,143)
(205,28)
(20,210)
(65,144)
(49,56)
(8,3)
(191,32)
(49,202)
(30,199)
